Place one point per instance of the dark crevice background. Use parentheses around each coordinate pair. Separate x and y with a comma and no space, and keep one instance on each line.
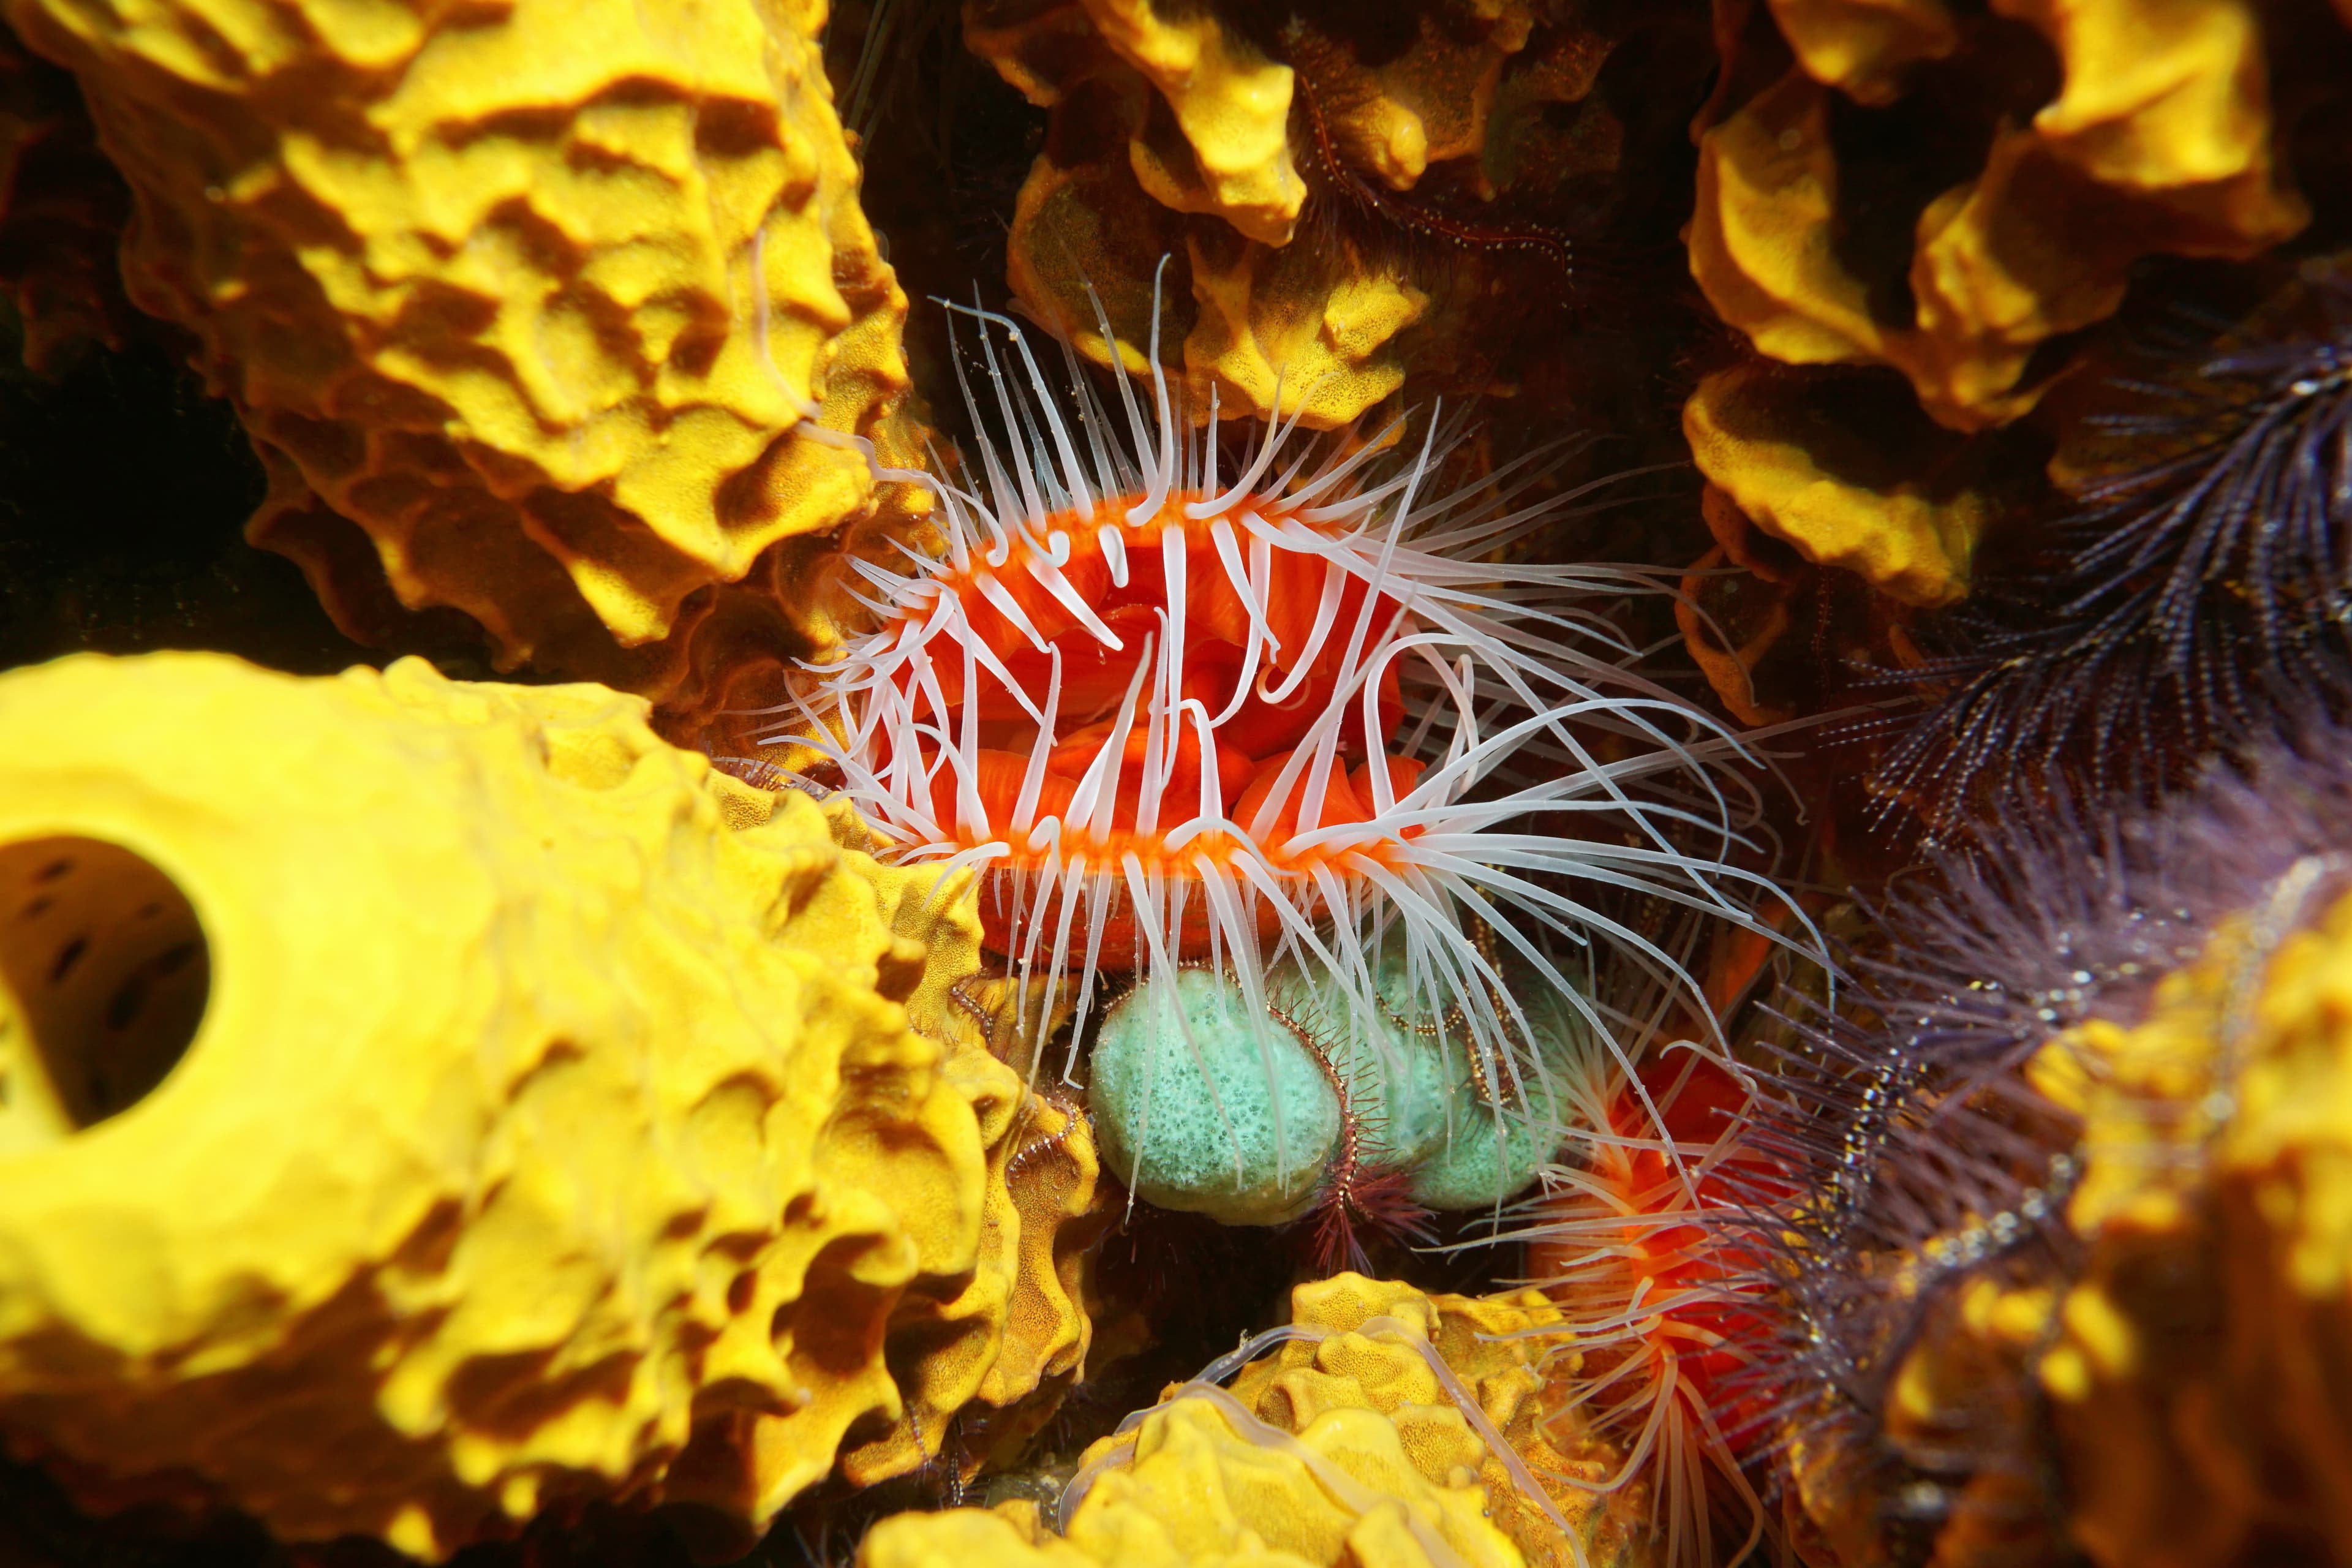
(125,492)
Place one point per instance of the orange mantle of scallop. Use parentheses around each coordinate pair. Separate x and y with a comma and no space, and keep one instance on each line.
(1248,751)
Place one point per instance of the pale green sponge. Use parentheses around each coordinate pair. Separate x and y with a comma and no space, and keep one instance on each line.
(1482,1156)
(1200,1107)
(1237,1122)
(1396,1078)
(1486,1156)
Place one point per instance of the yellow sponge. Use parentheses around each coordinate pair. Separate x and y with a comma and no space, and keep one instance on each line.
(541,294)
(1388,1429)
(429,1103)
(2199,1368)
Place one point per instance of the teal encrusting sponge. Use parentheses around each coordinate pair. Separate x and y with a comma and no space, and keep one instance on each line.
(1197,1106)
(1395,1080)
(1200,1106)
(1484,1155)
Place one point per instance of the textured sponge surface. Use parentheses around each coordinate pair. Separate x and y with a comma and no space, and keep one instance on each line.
(540,295)
(1200,1107)
(1484,1157)
(1396,1076)
(456,1102)
(1483,1154)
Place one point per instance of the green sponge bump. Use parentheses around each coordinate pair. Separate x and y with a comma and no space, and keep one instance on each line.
(1487,1156)
(1395,1076)
(1157,1102)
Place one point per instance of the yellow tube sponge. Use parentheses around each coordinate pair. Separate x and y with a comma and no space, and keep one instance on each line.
(995,1355)
(1862,47)
(1101,208)
(1291,325)
(433,1102)
(2170,1385)
(1496,1348)
(1394,110)
(1774,635)
(1232,105)
(1207,1484)
(1205,1479)
(539,296)
(1249,318)
(967,1538)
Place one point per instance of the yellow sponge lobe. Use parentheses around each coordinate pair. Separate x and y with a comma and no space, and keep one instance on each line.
(429,1102)
(543,296)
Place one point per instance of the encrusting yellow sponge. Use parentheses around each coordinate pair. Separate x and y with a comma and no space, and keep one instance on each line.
(427,1103)
(2199,1367)
(1388,1429)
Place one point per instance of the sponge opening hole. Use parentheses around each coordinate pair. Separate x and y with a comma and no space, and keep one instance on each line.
(104,977)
